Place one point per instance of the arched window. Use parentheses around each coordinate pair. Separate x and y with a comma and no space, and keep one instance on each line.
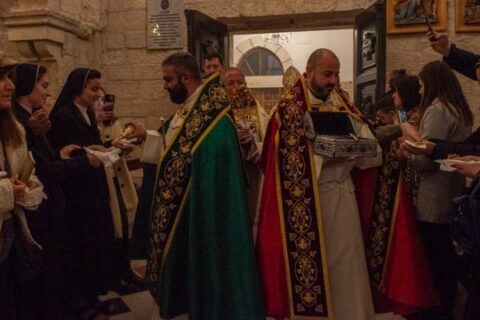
(260,62)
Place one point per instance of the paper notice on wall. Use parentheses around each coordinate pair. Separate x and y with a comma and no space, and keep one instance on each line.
(166,24)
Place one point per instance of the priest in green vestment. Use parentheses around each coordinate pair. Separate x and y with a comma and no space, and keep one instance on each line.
(192,223)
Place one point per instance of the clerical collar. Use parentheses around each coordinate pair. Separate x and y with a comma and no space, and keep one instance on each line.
(84,113)
(187,105)
(29,110)
(194,95)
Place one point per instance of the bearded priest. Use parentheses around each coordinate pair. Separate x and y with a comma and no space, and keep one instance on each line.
(309,242)
(192,223)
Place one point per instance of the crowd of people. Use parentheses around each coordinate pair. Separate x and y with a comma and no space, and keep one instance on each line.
(64,205)
(238,216)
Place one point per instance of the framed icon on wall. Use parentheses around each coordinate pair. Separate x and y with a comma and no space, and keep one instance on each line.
(409,16)
(467,16)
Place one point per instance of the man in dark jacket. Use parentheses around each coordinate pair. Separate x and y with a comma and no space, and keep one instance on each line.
(462,61)
(468,64)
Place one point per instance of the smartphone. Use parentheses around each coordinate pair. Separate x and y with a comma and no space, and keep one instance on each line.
(429,24)
(108,107)
(109,102)
(110,98)
(403,116)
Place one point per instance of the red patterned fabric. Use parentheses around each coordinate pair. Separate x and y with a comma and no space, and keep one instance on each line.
(290,239)
(406,286)
(365,183)
(269,239)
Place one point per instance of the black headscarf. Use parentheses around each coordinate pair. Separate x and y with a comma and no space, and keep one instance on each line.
(76,82)
(26,76)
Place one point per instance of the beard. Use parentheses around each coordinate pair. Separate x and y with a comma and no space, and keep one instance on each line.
(178,94)
(321,92)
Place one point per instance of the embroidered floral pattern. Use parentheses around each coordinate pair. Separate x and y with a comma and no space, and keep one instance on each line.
(383,217)
(302,235)
(174,176)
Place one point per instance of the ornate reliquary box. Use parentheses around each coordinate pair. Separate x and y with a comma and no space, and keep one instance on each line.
(334,136)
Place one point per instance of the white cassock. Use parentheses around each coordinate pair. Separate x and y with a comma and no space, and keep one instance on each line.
(347,267)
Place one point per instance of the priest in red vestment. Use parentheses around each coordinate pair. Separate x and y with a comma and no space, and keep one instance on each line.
(309,242)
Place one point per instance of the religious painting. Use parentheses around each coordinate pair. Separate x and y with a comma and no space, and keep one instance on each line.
(369,48)
(467,15)
(367,98)
(370,56)
(409,16)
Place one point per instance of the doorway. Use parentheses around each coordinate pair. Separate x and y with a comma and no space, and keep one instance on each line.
(264,45)
(264,58)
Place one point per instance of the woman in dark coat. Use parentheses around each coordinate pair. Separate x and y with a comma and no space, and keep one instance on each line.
(46,295)
(89,221)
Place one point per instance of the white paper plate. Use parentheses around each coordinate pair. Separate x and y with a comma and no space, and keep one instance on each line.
(416,145)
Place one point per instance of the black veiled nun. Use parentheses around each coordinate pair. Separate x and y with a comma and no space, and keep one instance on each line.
(88,217)
(45,295)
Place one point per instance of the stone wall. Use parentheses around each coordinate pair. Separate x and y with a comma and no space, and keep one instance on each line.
(117,45)
(233,8)
(65,33)
(6,45)
(413,51)
(132,72)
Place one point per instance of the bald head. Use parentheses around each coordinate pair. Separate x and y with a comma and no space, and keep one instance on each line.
(320,54)
(323,69)
(232,79)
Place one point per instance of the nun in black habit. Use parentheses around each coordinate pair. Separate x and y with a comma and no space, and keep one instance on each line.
(88,218)
(45,295)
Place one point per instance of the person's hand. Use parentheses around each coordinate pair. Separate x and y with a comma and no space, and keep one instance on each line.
(255,159)
(440,42)
(18,188)
(397,150)
(67,150)
(126,148)
(418,151)
(467,169)
(39,122)
(409,132)
(32,185)
(139,131)
(464,158)
(244,137)
(97,147)
(94,161)
(470,170)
